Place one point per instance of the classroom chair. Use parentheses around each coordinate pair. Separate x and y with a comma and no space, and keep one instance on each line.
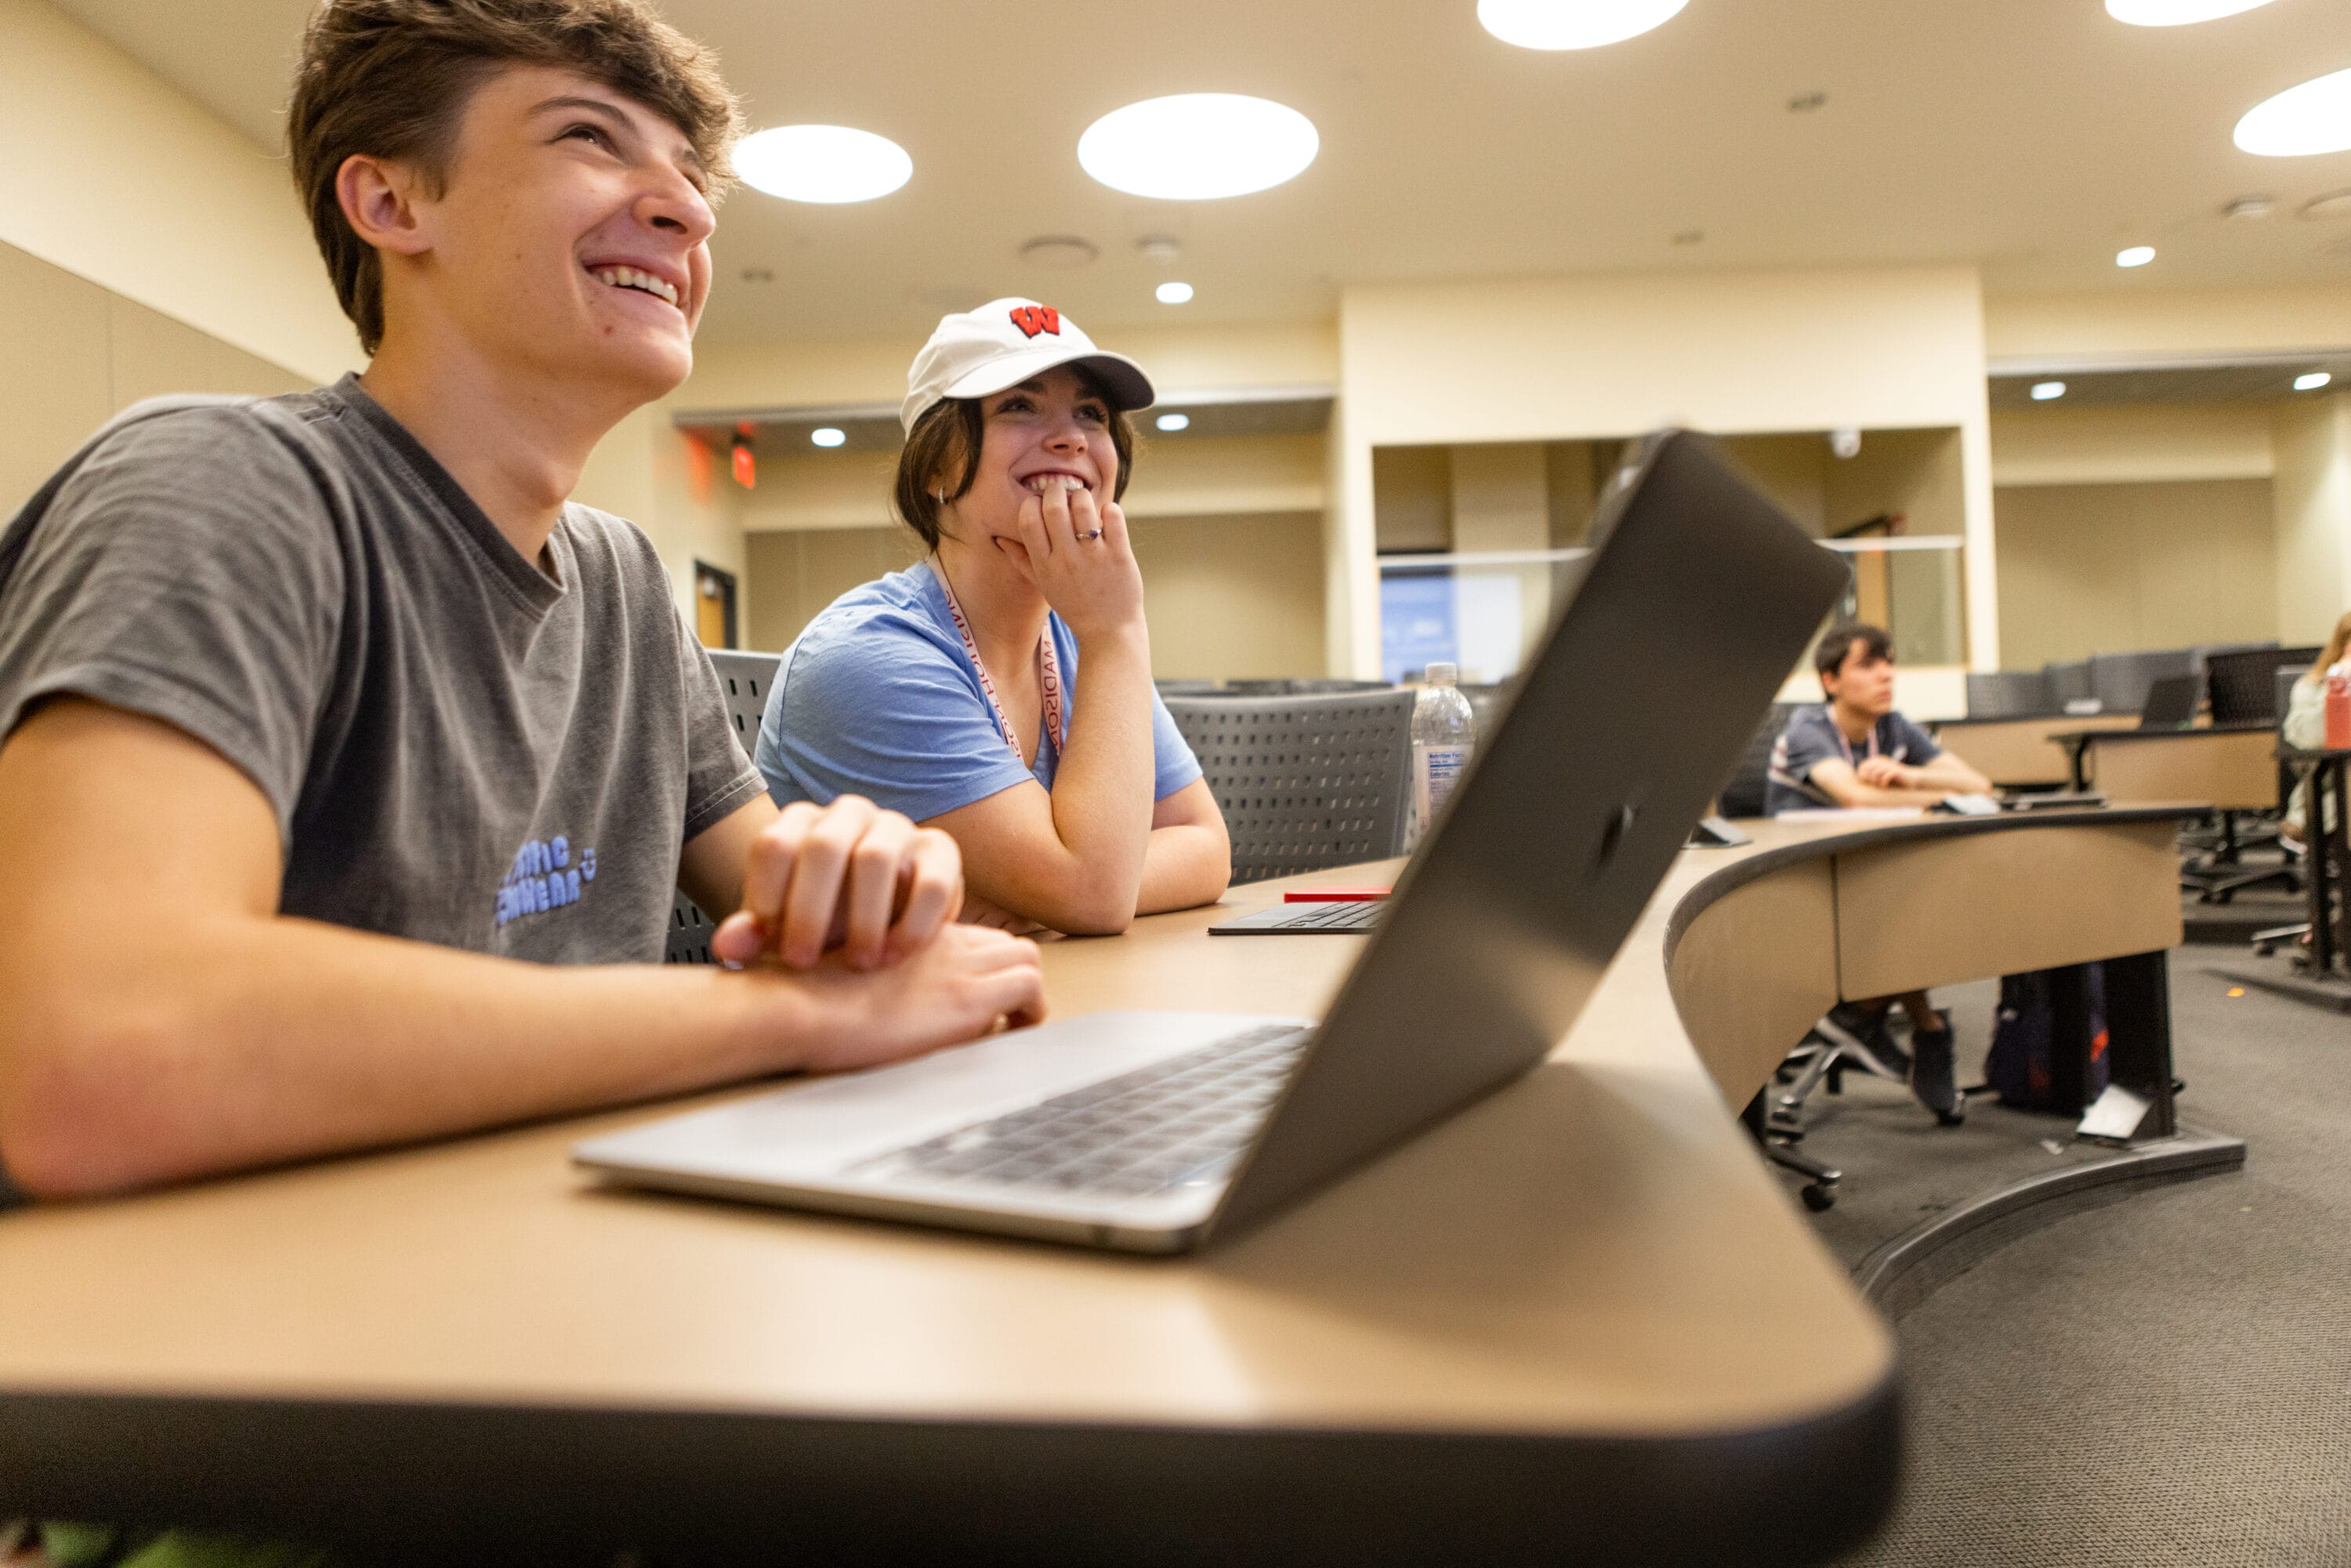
(1306,781)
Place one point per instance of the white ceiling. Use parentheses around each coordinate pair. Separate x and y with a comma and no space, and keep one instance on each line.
(2035,137)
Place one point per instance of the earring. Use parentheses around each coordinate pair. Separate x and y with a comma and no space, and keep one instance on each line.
(942,495)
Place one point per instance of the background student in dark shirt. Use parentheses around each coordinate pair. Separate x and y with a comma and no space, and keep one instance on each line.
(1855,751)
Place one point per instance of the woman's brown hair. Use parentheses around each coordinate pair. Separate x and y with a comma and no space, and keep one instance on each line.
(2335,645)
(946,440)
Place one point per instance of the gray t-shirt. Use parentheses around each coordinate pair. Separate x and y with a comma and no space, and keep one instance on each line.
(460,748)
(1813,737)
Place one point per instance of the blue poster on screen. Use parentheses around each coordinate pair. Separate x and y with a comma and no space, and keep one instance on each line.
(1417,622)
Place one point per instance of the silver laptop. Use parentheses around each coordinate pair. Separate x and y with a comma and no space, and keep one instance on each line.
(1152,1130)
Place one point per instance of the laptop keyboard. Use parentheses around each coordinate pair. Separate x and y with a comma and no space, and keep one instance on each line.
(1176,1122)
(1354,915)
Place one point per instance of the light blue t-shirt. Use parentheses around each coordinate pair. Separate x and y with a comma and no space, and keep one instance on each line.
(878,698)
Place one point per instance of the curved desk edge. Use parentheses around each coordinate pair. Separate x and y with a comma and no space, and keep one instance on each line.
(724,1486)
(1778,857)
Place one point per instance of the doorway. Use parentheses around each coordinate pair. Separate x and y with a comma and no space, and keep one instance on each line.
(714,605)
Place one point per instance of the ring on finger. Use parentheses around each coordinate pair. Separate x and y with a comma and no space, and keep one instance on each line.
(1091,534)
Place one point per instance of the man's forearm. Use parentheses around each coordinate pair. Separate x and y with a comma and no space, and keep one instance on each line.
(1948,774)
(239,1042)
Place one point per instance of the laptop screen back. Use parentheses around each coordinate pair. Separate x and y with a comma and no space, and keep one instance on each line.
(1699,598)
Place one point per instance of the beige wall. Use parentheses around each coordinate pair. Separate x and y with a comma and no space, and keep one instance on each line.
(1553,359)
(1233,597)
(1173,477)
(2155,324)
(1229,595)
(2091,444)
(120,178)
(2313,515)
(2087,569)
(77,354)
(794,575)
(745,378)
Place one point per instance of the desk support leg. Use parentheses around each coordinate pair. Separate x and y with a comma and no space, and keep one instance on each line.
(2318,870)
(2335,845)
(2139,1035)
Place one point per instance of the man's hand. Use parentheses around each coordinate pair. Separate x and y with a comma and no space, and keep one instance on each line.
(959,986)
(847,878)
(1885,773)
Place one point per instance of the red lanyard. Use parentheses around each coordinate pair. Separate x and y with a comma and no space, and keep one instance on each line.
(1842,743)
(1048,677)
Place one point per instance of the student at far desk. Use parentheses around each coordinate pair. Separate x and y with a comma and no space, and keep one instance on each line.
(1856,750)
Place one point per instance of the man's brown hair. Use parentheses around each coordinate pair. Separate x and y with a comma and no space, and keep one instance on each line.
(391,78)
(946,440)
(1837,646)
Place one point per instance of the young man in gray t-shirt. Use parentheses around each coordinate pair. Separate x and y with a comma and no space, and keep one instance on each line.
(347,770)
(1855,749)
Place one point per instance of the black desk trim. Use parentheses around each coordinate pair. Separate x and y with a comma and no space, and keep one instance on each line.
(408,1480)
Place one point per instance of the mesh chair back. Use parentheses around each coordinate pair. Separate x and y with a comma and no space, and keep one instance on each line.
(743,680)
(1185,689)
(2245,684)
(2068,682)
(2120,681)
(1305,782)
(689,934)
(1300,687)
(2010,694)
(1743,794)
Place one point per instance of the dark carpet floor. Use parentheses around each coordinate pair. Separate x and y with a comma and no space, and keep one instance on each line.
(2162,1380)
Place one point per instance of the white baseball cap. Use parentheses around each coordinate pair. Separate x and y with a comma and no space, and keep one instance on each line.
(1002,344)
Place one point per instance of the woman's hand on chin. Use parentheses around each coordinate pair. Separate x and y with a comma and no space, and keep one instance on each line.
(1081,559)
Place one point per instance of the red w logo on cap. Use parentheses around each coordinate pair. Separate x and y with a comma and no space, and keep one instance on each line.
(1034,319)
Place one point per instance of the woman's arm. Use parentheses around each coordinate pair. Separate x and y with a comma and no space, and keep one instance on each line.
(1097,851)
(1189,860)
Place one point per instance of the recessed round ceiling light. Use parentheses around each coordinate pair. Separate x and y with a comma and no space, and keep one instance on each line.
(2333,205)
(2312,118)
(1198,146)
(1058,250)
(827,435)
(2313,382)
(2247,207)
(1574,23)
(2174,13)
(2043,390)
(829,163)
(1174,421)
(1173,294)
(2137,256)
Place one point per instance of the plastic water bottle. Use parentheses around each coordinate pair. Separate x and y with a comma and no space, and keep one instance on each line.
(1443,734)
(2338,708)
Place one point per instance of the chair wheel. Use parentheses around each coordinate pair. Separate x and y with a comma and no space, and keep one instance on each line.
(2265,949)
(1818,1197)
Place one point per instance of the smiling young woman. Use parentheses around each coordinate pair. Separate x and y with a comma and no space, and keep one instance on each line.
(954,691)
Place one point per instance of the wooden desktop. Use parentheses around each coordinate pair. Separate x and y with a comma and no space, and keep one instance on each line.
(1580,1317)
